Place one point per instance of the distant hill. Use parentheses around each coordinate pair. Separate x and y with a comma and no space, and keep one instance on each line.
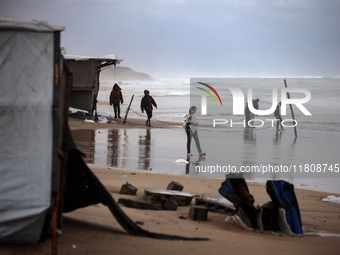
(122,73)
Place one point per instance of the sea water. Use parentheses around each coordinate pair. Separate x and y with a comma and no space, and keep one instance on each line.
(172,95)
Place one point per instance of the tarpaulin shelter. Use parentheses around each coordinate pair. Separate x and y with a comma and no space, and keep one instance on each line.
(33,102)
(85,71)
(42,172)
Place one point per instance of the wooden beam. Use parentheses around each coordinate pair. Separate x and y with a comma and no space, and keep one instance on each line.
(291,109)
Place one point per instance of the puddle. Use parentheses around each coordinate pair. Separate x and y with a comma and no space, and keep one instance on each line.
(133,149)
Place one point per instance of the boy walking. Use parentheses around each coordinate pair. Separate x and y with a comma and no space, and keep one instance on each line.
(146,104)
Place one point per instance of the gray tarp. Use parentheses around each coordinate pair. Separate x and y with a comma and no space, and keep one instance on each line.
(26,78)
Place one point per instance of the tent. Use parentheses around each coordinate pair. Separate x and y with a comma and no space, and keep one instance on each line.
(85,71)
(42,172)
(32,110)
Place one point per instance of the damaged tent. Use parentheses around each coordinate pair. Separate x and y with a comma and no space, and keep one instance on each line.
(42,172)
(85,72)
(32,116)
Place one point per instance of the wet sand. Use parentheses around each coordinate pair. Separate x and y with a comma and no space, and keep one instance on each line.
(93,230)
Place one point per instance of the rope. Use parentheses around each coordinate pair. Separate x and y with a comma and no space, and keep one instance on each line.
(108,104)
(136,124)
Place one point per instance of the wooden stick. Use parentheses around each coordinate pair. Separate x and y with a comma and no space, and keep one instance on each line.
(291,109)
(54,223)
(127,110)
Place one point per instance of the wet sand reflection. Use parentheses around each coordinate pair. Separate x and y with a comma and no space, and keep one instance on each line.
(128,148)
(144,142)
(157,150)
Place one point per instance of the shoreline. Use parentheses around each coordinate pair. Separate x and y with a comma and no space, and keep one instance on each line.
(78,121)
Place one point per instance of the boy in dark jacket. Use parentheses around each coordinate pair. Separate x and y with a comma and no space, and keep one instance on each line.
(146,104)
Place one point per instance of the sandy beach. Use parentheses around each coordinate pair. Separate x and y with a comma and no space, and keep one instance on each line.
(62,173)
(93,230)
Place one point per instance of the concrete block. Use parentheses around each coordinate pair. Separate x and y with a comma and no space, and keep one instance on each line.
(170,205)
(175,186)
(128,189)
(198,213)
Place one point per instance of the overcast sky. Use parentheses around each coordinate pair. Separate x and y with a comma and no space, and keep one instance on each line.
(198,38)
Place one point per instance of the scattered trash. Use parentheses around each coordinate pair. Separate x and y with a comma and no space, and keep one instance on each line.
(102,119)
(91,121)
(81,113)
(332,199)
(72,125)
(182,161)
(74,246)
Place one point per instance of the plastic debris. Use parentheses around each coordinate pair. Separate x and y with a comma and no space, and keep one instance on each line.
(332,199)
(182,161)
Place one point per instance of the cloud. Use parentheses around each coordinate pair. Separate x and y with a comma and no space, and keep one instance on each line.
(278,37)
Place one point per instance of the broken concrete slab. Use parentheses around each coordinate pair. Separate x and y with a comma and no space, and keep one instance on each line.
(215,206)
(162,203)
(182,198)
(175,186)
(136,204)
(128,189)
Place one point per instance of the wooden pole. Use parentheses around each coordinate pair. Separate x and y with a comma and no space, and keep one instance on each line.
(54,223)
(291,109)
(127,110)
